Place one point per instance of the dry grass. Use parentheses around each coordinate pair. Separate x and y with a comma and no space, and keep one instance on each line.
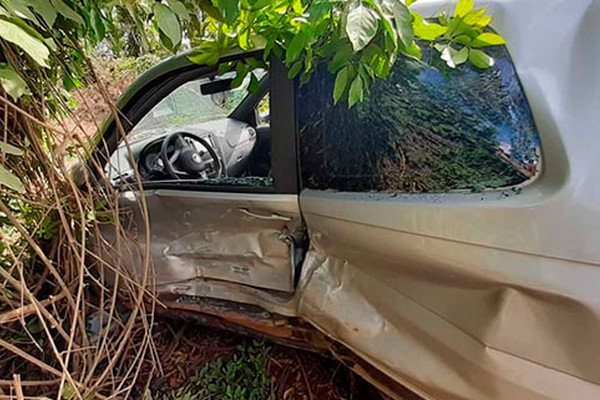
(53,280)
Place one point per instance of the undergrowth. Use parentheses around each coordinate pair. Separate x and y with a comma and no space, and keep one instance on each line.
(242,377)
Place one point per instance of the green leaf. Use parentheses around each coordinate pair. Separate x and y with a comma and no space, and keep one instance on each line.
(167,23)
(9,180)
(180,9)
(380,65)
(356,92)
(254,85)
(463,39)
(458,27)
(19,8)
(205,57)
(7,148)
(296,46)
(207,54)
(443,18)
(361,26)
(225,68)
(68,392)
(461,56)
(414,51)
(341,82)
(211,10)
(319,8)
(454,57)
(463,7)
(474,16)
(255,63)
(403,19)
(67,12)
(487,39)
(295,69)
(13,84)
(308,60)
(297,6)
(409,2)
(70,82)
(51,44)
(241,71)
(483,21)
(479,59)
(31,45)
(426,30)
(244,39)
(387,21)
(23,25)
(341,57)
(230,10)
(259,4)
(97,24)
(45,9)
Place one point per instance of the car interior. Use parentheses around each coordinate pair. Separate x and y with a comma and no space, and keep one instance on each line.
(204,131)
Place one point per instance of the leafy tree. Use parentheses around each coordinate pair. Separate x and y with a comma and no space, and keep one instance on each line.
(358,40)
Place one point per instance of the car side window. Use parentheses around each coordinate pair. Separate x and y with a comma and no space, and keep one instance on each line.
(427,128)
(203,131)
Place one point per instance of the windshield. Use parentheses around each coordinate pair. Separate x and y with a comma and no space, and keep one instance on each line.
(186,106)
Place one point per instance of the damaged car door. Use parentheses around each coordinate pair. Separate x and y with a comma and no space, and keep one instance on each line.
(218,177)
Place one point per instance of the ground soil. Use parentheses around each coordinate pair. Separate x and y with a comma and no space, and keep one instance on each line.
(90,105)
(185,347)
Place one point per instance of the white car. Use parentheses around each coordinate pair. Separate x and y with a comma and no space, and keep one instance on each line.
(442,238)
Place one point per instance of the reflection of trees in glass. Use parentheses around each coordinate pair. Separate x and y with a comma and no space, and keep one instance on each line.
(186,105)
(426,128)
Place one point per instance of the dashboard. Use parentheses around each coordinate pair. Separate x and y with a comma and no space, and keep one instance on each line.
(231,140)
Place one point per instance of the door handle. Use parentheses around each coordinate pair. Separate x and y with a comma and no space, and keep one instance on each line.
(273,216)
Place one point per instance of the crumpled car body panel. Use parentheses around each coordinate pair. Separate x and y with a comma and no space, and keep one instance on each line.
(444,319)
(481,295)
(242,239)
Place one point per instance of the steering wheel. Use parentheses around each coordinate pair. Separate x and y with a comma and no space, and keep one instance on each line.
(194,163)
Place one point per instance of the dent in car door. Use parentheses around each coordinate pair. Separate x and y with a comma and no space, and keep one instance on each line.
(243,238)
(237,234)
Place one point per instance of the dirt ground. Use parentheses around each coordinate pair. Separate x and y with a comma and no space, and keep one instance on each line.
(90,107)
(184,348)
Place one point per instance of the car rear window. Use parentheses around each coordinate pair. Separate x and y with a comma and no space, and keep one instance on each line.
(427,128)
